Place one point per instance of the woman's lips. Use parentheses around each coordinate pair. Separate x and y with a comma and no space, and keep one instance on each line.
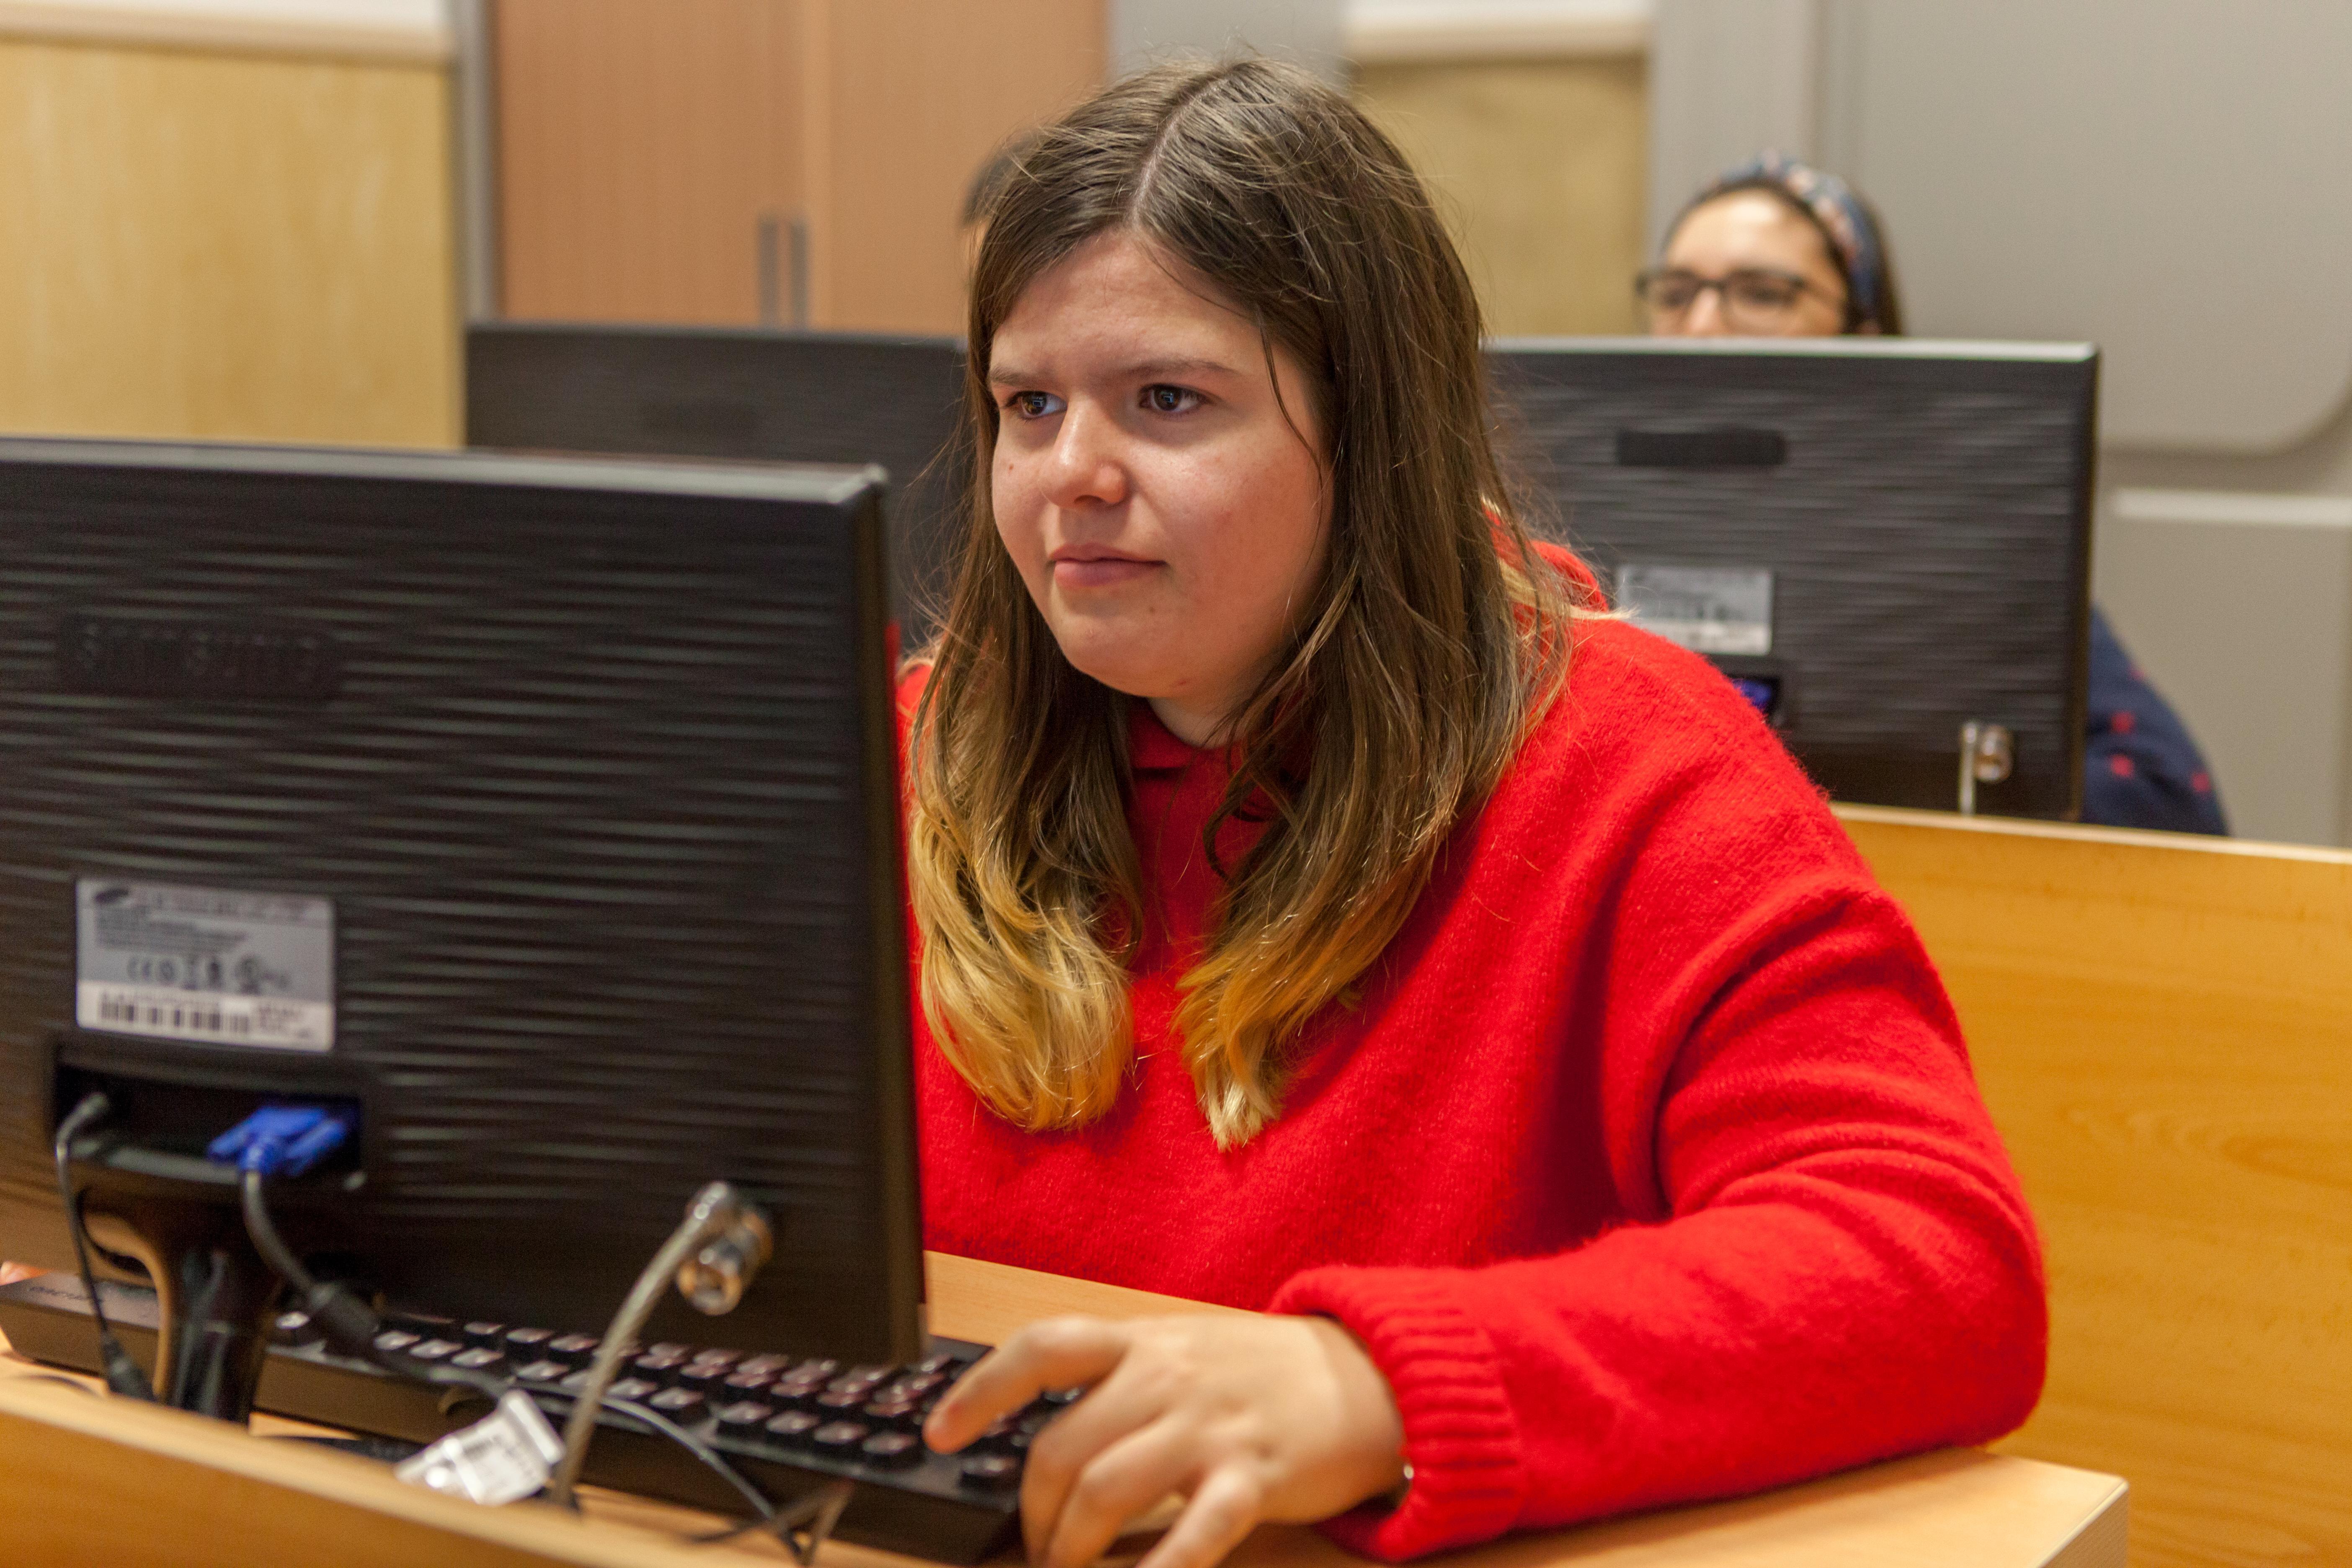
(1100,572)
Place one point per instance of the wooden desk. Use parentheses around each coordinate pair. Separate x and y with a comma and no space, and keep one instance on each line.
(2163,1028)
(98,1480)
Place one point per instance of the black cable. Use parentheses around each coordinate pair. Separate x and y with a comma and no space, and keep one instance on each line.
(338,1309)
(694,1445)
(74,1384)
(122,1374)
(353,1324)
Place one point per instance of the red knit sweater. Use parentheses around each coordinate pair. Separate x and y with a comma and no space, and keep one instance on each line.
(1649,1167)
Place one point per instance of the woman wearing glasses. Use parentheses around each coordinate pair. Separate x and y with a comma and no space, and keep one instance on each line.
(1775,248)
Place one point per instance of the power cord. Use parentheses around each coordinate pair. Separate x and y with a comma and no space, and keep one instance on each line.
(717,1217)
(122,1374)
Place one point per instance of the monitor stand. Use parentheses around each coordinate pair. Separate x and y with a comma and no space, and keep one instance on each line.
(214,1296)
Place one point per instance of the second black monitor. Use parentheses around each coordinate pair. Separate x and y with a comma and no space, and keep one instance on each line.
(747,396)
(1880,540)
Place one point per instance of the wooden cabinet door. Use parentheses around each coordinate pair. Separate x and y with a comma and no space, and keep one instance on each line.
(774,163)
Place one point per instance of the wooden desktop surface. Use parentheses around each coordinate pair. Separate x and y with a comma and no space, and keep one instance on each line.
(89,1480)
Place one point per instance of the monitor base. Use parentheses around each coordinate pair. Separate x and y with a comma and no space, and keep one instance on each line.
(215,1295)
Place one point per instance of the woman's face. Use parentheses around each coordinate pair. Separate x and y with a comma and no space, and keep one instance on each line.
(1747,241)
(1170,521)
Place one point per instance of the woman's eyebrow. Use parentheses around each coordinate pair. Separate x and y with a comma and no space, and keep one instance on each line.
(1017,375)
(1181,367)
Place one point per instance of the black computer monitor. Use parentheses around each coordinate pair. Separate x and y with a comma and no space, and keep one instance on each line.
(744,395)
(541,812)
(1881,540)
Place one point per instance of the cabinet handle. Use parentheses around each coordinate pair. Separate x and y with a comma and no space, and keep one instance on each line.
(775,268)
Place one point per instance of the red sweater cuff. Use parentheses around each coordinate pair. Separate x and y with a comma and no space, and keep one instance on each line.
(1461,1437)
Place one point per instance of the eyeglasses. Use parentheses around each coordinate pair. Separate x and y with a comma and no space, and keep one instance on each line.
(1755,299)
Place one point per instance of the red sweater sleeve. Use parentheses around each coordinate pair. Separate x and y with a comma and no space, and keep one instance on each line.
(1834,1263)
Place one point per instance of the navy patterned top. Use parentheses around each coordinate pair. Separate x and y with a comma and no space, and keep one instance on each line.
(2140,768)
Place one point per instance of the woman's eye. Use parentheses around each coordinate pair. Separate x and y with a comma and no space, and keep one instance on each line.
(1171,399)
(1034,404)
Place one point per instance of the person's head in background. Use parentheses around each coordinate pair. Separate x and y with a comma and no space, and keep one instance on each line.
(1773,248)
(980,197)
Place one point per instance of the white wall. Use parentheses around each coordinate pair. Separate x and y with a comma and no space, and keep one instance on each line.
(411,27)
(1305,31)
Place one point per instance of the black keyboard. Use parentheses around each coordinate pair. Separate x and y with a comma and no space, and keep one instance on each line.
(787,1423)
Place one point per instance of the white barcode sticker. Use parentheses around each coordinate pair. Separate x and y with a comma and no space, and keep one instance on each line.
(1706,609)
(506,1456)
(205,965)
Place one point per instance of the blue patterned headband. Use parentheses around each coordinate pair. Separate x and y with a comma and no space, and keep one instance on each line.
(1834,207)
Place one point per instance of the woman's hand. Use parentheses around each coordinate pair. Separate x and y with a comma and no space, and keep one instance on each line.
(1251,1418)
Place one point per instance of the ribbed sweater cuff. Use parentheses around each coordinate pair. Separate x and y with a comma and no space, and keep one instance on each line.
(1469,1482)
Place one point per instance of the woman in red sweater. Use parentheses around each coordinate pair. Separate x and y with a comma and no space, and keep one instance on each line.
(1321,909)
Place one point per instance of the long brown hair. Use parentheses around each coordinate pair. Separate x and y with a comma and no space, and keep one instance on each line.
(1435,635)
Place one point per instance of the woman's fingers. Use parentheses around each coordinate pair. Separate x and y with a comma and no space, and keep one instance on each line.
(1126,1402)
(1067,1519)
(1061,1352)
(1227,1507)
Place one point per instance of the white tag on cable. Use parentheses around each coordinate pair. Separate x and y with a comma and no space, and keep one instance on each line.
(506,1455)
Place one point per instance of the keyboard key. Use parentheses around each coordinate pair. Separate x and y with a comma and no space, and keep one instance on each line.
(634,1389)
(702,1376)
(765,1365)
(435,1350)
(1005,1436)
(904,1414)
(793,1428)
(482,1334)
(392,1341)
(678,1404)
(553,1371)
(529,1344)
(818,1367)
(573,1350)
(839,1438)
(716,1357)
(476,1358)
(942,1364)
(992,1472)
(893,1451)
(656,1366)
(744,1418)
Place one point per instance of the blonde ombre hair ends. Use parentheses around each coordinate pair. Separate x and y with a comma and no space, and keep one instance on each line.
(1435,636)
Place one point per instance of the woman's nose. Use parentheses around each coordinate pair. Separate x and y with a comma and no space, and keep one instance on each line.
(1705,318)
(1084,466)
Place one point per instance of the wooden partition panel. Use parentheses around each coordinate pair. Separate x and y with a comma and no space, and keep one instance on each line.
(642,144)
(922,94)
(762,161)
(2163,1028)
(232,246)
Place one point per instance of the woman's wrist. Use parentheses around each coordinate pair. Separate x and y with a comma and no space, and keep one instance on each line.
(1368,1413)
